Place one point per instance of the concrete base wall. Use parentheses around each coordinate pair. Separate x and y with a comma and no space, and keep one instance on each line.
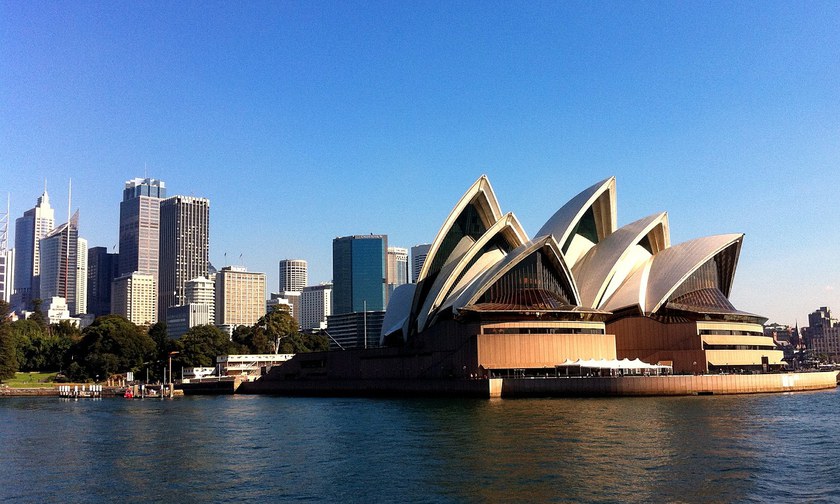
(550,387)
(668,385)
(369,388)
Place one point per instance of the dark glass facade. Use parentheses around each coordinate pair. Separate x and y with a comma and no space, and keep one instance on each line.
(359,273)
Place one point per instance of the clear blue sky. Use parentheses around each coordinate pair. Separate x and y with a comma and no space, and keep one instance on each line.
(302,121)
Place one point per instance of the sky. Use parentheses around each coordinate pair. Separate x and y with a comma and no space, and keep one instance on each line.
(303,121)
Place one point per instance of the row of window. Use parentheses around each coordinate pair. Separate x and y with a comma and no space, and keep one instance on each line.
(542,330)
(726,332)
(706,346)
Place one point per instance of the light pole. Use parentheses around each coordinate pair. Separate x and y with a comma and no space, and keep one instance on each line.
(170,365)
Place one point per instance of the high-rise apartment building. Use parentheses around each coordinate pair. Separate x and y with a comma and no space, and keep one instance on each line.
(293,275)
(29,229)
(184,247)
(359,273)
(102,270)
(240,296)
(140,226)
(59,263)
(315,306)
(418,257)
(397,268)
(202,291)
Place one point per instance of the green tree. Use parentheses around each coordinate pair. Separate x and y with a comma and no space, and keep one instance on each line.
(275,326)
(32,345)
(37,315)
(110,345)
(65,335)
(8,352)
(202,344)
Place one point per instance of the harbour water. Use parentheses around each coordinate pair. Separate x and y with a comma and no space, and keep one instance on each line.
(758,448)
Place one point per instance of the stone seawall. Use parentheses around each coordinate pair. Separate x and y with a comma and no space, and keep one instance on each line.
(51,391)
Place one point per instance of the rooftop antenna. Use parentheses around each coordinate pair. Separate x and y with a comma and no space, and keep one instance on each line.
(145,174)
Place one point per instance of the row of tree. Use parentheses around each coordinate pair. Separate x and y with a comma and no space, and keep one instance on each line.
(114,345)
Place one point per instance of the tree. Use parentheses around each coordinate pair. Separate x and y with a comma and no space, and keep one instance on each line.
(66,334)
(111,344)
(202,344)
(31,343)
(8,352)
(274,327)
(37,315)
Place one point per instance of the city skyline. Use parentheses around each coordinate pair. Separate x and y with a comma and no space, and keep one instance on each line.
(731,109)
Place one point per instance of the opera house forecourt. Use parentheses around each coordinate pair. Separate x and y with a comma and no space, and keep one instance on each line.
(581,308)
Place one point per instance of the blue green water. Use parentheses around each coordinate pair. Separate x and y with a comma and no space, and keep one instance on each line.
(755,448)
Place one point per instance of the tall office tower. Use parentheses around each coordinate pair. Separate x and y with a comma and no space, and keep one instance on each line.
(397,268)
(5,259)
(293,276)
(359,272)
(81,275)
(102,270)
(140,226)
(29,229)
(9,267)
(134,296)
(59,260)
(315,306)
(240,296)
(418,257)
(184,247)
(202,291)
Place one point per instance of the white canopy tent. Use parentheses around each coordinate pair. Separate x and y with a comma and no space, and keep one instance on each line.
(630,366)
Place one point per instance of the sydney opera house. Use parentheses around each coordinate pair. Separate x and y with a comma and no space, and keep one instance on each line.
(502,303)
(497,313)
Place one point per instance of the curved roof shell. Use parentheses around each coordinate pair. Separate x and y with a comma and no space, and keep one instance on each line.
(605,267)
(572,225)
(662,275)
(502,237)
(398,311)
(471,294)
(474,213)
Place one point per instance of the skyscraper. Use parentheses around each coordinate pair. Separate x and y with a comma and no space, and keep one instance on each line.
(293,275)
(359,273)
(134,296)
(418,257)
(397,268)
(140,226)
(59,262)
(202,291)
(81,275)
(102,270)
(6,266)
(184,247)
(29,229)
(315,306)
(240,296)
(9,275)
